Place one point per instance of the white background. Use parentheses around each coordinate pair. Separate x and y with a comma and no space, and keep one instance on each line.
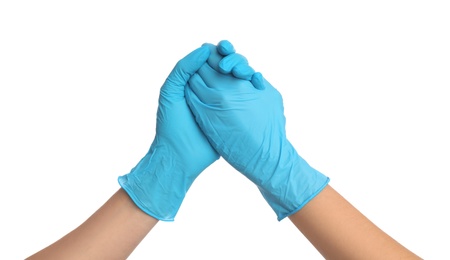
(366,93)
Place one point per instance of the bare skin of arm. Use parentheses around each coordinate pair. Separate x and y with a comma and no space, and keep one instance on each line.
(112,232)
(339,231)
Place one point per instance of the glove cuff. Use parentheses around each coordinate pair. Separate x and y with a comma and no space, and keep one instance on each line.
(293,184)
(157,184)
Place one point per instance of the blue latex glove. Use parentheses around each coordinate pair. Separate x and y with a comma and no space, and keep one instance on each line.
(179,152)
(245,123)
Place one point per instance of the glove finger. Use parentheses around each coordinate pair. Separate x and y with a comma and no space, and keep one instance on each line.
(233,63)
(228,62)
(258,81)
(198,109)
(183,70)
(196,86)
(218,65)
(237,64)
(243,71)
(225,48)
(214,57)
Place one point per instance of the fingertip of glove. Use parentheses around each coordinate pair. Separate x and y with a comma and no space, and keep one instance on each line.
(224,67)
(258,81)
(243,71)
(207,44)
(224,47)
(232,62)
(204,51)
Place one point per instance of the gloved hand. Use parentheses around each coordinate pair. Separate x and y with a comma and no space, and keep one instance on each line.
(245,124)
(179,151)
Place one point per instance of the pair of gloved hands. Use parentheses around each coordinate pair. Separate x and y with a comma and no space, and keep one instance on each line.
(214,104)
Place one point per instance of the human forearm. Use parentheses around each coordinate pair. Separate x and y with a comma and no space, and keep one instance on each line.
(339,231)
(112,232)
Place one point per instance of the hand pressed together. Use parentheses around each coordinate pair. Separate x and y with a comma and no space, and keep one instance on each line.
(214,104)
(180,151)
(245,123)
